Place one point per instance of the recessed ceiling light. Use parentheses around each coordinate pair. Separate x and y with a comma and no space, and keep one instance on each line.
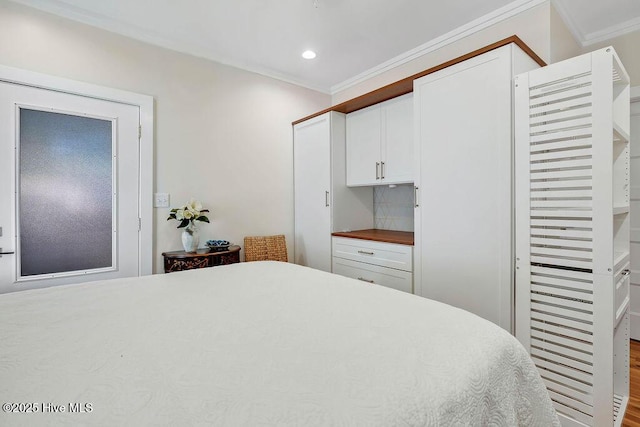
(308,54)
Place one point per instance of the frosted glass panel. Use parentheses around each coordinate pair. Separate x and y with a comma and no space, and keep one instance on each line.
(65,189)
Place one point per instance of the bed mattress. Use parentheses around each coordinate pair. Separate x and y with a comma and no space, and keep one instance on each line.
(257,344)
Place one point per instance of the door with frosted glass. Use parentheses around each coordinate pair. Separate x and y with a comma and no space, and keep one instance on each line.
(69,171)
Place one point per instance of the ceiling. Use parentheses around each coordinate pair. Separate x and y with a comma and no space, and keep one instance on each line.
(352,38)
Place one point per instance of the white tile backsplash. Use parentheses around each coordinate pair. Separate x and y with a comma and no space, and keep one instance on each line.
(393,207)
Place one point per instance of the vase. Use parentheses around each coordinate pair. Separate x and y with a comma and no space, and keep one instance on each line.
(190,238)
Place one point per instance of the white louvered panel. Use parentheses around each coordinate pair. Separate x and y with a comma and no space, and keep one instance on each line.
(564,243)
(565,126)
(551,128)
(559,116)
(572,413)
(561,193)
(556,280)
(560,203)
(562,330)
(568,86)
(561,105)
(565,303)
(583,223)
(542,185)
(584,401)
(561,174)
(568,371)
(584,351)
(587,327)
(568,402)
(562,163)
(561,311)
(563,214)
(560,292)
(586,389)
(578,151)
(565,252)
(559,358)
(562,232)
(561,262)
(568,274)
(568,137)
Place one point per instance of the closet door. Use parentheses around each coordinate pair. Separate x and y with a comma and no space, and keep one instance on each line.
(397,147)
(463,151)
(312,182)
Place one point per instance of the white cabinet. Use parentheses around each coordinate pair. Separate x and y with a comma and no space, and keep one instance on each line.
(380,143)
(463,153)
(323,203)
(572,233)
(381,263)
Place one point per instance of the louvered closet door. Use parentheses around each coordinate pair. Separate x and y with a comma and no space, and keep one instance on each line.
(569,279)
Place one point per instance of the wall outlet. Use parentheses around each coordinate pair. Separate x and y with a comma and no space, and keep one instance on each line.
(161,200)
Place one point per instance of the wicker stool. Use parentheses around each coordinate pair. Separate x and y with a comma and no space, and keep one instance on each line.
(265,248)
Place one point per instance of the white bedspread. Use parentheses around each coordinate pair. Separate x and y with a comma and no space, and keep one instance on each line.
(258,344)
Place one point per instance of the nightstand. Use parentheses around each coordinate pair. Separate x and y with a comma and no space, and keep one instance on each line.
(181,260)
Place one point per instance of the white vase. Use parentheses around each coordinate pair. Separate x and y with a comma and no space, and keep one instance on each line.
(190,238)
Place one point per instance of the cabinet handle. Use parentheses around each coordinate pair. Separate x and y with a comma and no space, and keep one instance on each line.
(377,170)
(365,253)
(5,253)
(381,170)
(365,280)
(625,272)
(415,197)
(326,198)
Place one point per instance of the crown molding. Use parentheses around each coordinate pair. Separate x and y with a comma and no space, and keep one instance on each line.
(611,32)
(587,39)
(499,15)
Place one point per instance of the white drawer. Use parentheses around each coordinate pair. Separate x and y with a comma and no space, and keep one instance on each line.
(390,255)
(389,277)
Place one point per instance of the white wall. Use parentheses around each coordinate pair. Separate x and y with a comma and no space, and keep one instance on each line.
(563,44)
(532,26)
(223,135)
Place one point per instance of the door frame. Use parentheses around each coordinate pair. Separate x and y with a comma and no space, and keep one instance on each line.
(146,121)
(635,270)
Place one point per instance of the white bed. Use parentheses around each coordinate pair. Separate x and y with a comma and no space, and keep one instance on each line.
(259,344)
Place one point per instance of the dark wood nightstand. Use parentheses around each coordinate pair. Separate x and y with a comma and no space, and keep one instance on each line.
(181,260)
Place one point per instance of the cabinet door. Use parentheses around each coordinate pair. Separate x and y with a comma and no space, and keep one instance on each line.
(363,146)
(463,224)
(312,182)
(397,146)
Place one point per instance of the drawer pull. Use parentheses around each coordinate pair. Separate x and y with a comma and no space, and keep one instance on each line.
(625,272)
(366,253)
(365,280)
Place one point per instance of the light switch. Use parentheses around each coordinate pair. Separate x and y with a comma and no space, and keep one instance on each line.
(161,200)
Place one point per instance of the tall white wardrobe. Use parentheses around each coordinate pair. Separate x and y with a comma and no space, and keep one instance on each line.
(572,233)
(323,202)
(464,183)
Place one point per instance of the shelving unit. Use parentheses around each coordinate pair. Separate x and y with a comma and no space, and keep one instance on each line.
(572,233)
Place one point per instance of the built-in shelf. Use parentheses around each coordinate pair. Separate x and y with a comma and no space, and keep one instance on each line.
(620,209)
(619,134)
(619,259)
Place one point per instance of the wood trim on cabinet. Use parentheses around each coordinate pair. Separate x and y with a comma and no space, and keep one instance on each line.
(405,85)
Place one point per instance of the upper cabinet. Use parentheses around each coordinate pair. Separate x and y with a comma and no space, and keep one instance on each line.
(380,143)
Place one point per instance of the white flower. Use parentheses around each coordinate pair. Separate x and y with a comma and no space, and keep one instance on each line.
(180,214)
(187,214)
(194,206)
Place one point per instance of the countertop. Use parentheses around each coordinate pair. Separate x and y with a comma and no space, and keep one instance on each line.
(389,236)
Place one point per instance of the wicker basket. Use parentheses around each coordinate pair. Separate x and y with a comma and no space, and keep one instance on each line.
(265,248)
